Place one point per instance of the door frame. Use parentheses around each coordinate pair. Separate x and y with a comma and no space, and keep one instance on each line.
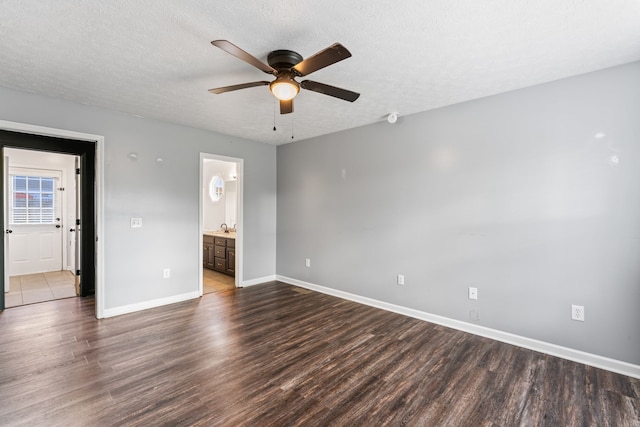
(90,148)
(239,213)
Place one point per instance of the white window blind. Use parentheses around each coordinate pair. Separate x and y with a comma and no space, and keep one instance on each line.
(33,199)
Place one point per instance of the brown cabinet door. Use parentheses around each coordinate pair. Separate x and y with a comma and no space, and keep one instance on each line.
(208,254)
(231,261)
(211,257)
(205,253)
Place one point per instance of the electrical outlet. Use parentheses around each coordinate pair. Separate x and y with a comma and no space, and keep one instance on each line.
(473,293)
(136,222)
(577,312)
(307,262)
(166,273)
(401,279)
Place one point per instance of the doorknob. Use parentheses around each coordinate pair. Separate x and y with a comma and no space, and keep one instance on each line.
(72,229)
(57,225)
(8,231)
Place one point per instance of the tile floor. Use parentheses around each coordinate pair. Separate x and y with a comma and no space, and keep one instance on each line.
(40,287)
(213,281)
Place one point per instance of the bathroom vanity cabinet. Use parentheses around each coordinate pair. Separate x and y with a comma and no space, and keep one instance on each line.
(219,253)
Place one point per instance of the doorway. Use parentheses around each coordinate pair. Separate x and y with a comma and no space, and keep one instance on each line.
(221,223)
(86,147)
(40,215)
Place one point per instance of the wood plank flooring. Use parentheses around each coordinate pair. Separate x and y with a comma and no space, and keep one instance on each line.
(277,355)
(214,281)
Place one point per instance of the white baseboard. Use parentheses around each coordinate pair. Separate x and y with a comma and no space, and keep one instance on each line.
(124,309)
(117,311)
(258,281)
(594,360)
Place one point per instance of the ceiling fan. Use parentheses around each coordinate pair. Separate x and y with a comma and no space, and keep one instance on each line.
(286,65)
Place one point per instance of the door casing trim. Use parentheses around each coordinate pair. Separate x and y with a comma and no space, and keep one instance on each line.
(239,219)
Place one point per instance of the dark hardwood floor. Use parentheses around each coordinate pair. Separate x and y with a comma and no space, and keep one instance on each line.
(277,355)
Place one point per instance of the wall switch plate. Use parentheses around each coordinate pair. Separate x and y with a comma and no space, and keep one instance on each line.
(577,312)
(136,222)
(166,273)
(401,279)
(473,293)
(307,262)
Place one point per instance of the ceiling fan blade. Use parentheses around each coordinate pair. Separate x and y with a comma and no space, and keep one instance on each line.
(234,50)
(286,107)
(334,53)
(324,89)
(224,89)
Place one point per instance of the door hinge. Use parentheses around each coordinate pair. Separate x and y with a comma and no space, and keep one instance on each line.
(77,222)
(77,272)
(77,171)
(61,189)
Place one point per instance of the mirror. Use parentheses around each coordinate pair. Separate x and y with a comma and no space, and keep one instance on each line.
(216,188)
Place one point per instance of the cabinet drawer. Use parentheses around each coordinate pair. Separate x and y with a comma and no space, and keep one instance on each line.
(220,251)
(207,239)
(221,241)
(221,264)
(231,243)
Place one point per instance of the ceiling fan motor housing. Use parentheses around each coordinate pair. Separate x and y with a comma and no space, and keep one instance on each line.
(283,58)
(284,87)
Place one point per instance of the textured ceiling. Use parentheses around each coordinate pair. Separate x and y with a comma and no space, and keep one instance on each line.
(153,58)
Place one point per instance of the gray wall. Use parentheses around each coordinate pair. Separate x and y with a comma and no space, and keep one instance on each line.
(517,194)
(164,194)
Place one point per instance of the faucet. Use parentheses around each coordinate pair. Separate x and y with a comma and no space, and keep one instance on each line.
(224,227)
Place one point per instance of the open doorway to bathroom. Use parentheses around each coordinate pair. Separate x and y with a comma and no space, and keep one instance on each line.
(221,223)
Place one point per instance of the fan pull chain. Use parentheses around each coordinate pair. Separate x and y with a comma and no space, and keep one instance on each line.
(291,126)
(274,116)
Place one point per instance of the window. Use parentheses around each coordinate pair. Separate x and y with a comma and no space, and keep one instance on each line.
(32,199)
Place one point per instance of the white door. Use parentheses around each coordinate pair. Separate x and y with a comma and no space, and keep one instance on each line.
(35,214)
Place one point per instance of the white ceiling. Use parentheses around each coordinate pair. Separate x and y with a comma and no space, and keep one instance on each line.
(153,58)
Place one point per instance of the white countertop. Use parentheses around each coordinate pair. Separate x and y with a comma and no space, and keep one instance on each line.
(217,233)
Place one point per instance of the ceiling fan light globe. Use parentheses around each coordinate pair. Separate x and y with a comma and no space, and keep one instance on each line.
(284,90)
